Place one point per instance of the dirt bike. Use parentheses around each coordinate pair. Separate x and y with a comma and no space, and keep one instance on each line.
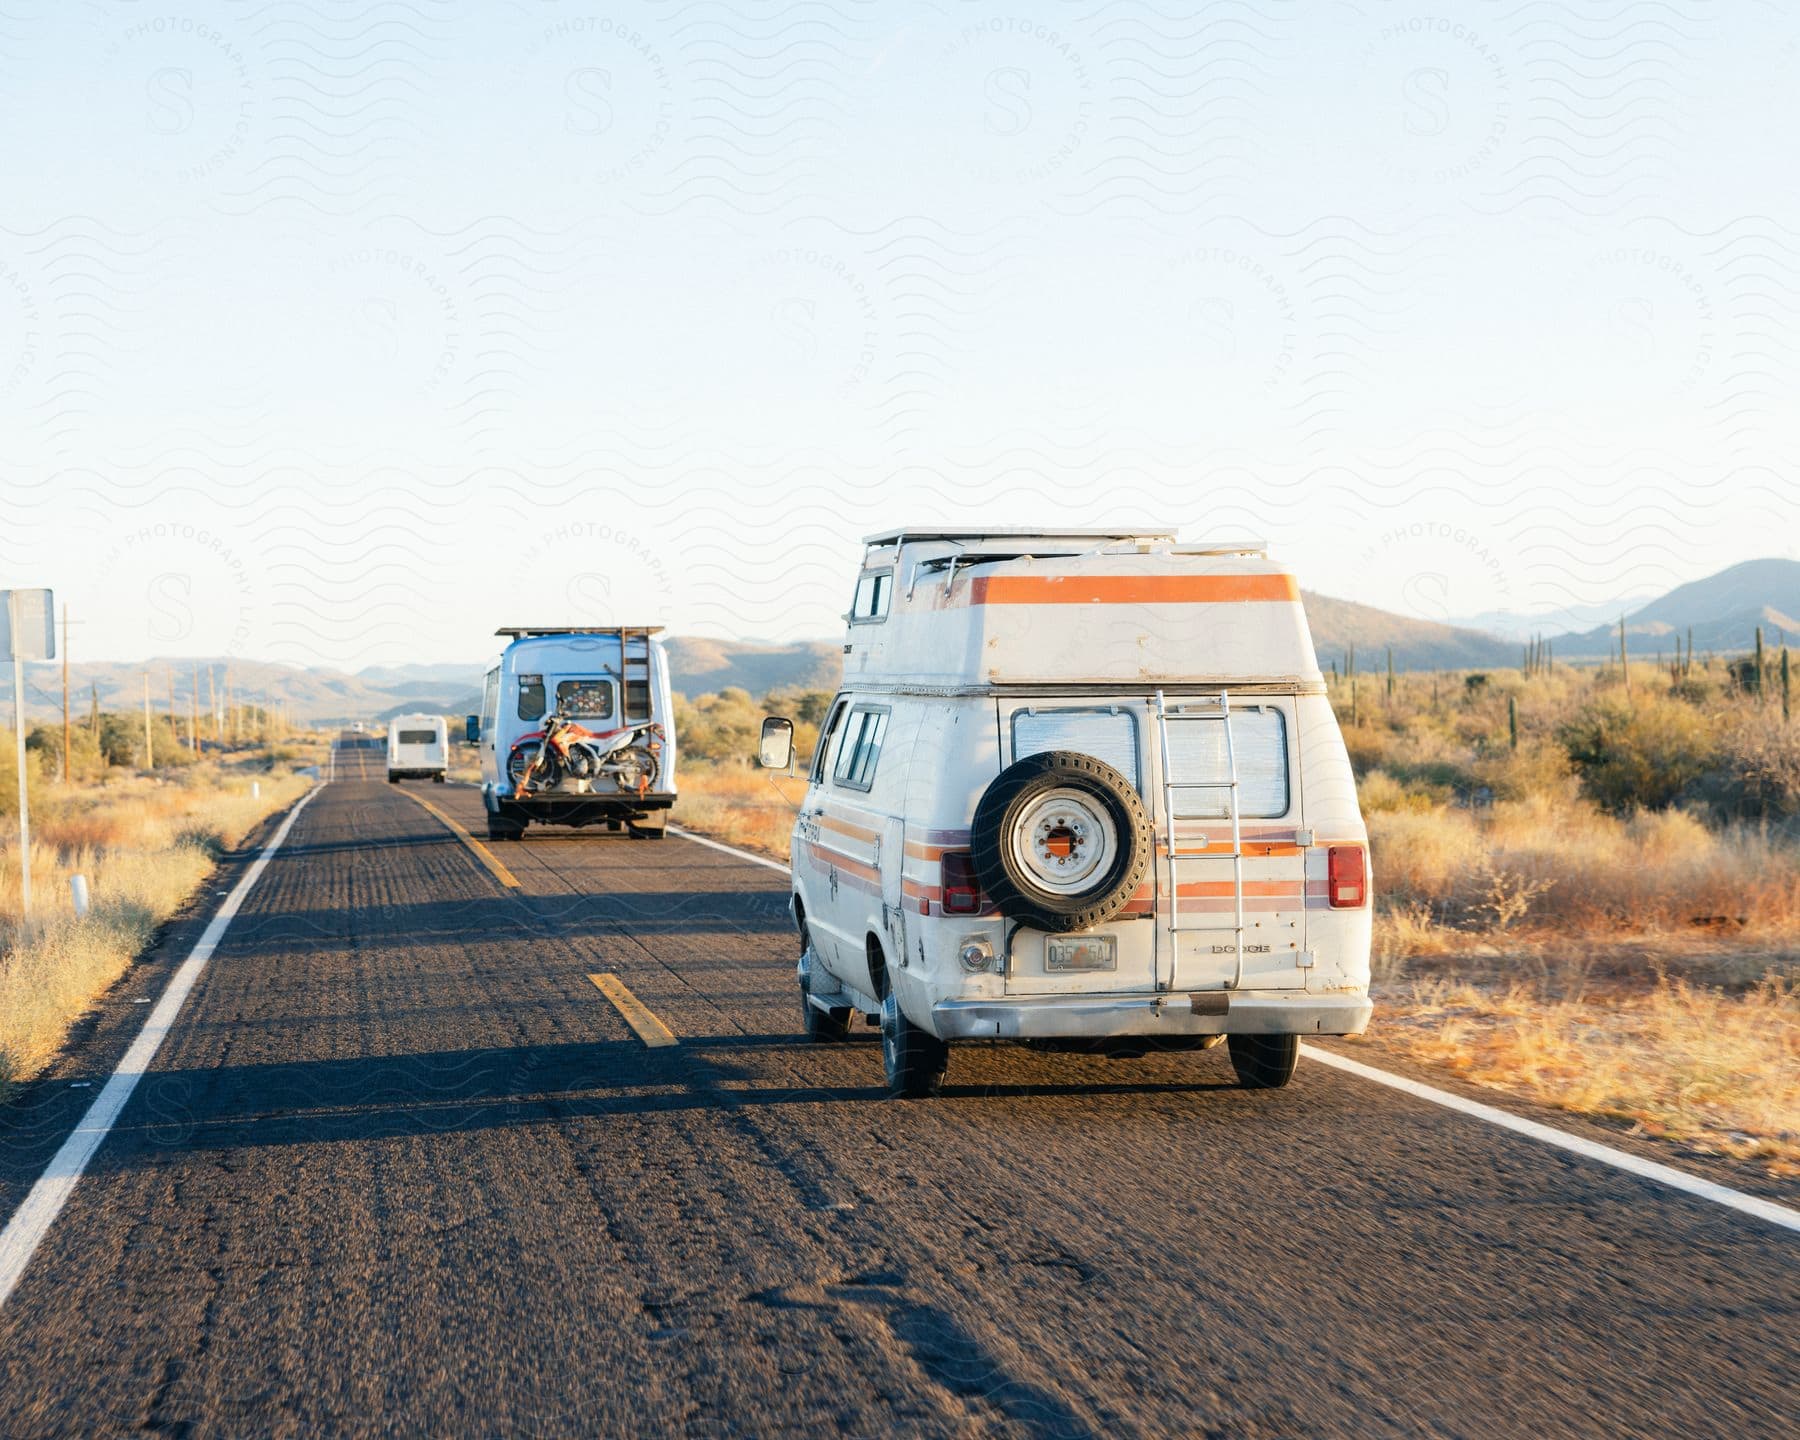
(566,756)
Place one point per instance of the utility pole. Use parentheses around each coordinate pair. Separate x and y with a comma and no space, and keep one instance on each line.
(212,704)
(149,745)
(194,712)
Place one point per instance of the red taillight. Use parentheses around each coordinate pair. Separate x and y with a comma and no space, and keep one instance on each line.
(1346,877)
(962,892)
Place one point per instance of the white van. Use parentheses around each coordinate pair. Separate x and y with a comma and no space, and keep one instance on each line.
(609,681)
(418,748)
(1082,789)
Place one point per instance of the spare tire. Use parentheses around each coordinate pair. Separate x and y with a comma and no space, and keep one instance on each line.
(1061,841)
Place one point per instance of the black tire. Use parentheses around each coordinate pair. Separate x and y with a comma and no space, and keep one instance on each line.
(504,827)
(437,779)
(822,1027)
(1005,878)
(913,1060)
(648,832)
(1264,1062)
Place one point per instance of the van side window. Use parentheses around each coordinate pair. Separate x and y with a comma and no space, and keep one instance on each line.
(1197,753)
(490,702)
(826,733)
(873,591)
(861,750)
(531,697)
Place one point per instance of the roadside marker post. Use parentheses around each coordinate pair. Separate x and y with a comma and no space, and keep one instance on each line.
(29,634)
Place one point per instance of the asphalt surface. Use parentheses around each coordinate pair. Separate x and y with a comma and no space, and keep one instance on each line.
(402,1168)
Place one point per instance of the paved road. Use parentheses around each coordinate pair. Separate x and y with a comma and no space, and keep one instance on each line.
(400,1167)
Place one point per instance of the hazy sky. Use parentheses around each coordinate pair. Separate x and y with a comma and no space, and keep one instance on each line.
(341,333)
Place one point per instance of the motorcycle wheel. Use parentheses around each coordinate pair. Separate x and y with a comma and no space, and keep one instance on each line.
(636,769)
(519,766)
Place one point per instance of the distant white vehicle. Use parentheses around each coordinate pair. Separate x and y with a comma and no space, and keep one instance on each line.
(358,728)
(577,728)
(418,748)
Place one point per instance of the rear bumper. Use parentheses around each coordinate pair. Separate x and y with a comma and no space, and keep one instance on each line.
(556,806)
(1246,1012)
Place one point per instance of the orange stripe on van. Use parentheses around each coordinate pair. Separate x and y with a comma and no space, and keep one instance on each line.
(844,827)
(1130,589)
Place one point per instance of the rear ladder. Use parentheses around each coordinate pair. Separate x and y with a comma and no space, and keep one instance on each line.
(1174,856)
(634,671)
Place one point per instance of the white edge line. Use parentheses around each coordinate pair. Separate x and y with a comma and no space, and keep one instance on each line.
(1775,1214)
(1769,1210)
(686,834)
(38,1211)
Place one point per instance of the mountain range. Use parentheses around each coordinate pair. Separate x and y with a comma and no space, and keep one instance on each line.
(1722,611)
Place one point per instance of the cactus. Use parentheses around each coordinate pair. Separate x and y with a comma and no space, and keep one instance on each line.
(1624,659)
(1512,720)
(1761,688)
(1390,677)
(1787,713)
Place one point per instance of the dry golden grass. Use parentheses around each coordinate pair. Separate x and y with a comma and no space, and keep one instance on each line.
(1635,968)
(740,805)
(1716,1071)
(144,843)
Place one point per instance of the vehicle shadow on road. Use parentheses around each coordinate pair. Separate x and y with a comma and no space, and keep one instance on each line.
(457,1091)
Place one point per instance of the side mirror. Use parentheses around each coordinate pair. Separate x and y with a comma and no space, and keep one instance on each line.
(472,729)
(776,751)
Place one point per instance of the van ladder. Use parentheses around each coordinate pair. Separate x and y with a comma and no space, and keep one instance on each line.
(634,669)
(1164,719)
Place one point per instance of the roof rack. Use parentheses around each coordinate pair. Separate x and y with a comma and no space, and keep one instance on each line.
(1025,532)
(522,632)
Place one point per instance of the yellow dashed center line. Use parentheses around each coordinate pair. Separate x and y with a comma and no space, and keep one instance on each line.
(481,852)
(637,1015)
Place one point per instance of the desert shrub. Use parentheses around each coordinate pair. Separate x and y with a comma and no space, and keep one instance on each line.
(1757,775)
(1537,767)
(723,728)
(86,762)
(1639,753)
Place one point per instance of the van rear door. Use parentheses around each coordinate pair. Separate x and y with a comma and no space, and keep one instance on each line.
(1197,890)
(1122,957)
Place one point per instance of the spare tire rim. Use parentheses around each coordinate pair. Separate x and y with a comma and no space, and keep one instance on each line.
(1063,840)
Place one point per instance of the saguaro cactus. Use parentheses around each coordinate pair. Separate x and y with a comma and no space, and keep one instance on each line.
(1512,720)
(1624,660)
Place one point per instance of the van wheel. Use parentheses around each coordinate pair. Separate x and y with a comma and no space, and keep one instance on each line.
(500,828)
(1060,841)
(1264,1062)
(913,1059)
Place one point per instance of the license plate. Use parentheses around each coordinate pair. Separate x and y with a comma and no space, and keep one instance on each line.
(1088,952)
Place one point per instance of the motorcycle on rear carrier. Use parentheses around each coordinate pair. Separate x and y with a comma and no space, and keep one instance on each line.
(568,758)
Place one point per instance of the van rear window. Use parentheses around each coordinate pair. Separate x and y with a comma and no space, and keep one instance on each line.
(418,737)
(1197,754)
(584,699)
(531,697)
(1109,735)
